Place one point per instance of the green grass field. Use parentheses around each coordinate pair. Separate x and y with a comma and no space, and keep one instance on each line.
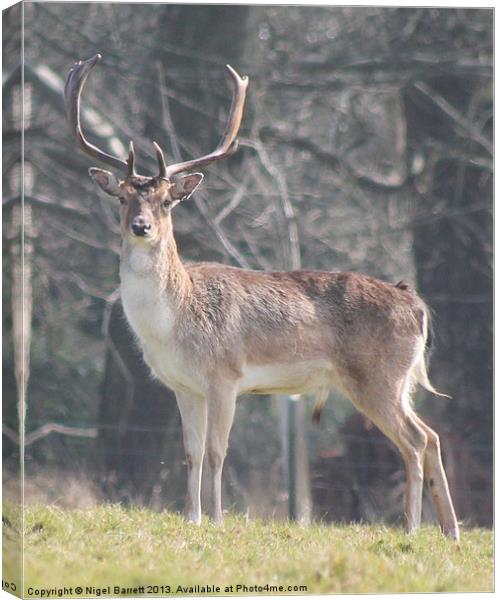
(130,548)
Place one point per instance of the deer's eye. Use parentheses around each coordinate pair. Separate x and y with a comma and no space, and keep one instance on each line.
(122,200)
(166,203)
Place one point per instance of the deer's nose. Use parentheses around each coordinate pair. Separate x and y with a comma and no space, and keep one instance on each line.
(140,227)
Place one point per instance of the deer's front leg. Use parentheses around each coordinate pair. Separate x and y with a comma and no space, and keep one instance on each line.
(221,406)
(193,411)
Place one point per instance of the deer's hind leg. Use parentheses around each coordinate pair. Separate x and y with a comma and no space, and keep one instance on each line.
(387,405)
(438,485)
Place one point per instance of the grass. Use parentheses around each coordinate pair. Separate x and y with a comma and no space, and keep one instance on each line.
(113,546)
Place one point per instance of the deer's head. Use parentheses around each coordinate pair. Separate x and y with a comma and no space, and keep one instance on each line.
(146,202)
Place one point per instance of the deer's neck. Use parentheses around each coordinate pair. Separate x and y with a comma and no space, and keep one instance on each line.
(157,268)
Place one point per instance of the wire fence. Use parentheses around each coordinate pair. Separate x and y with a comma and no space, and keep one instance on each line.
(359,477)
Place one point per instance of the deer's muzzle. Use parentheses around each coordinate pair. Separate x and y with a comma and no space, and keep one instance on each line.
(140,227)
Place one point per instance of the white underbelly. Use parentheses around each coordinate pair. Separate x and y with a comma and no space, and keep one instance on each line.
(294,378)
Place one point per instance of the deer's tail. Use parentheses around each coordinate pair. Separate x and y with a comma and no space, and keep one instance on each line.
(420,368)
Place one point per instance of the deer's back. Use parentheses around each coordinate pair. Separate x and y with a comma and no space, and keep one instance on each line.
(269,312)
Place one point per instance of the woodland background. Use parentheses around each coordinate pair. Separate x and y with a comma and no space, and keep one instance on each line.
(366,146)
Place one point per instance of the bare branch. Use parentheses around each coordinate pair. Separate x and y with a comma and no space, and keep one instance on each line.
(292,257)
(464,126)
(47,429)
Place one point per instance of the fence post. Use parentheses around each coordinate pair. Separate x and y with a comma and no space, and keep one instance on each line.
(291,415)
(297,459)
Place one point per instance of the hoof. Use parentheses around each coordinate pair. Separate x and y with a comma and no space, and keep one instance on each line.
(412,529)
(452,533)
(194,519)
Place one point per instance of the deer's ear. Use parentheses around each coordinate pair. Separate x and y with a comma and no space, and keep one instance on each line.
(184,186)
(106,181)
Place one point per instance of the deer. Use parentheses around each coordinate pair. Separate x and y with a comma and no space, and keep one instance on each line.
(212,332)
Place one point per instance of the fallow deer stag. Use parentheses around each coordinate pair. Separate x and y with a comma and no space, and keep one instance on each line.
(211,332)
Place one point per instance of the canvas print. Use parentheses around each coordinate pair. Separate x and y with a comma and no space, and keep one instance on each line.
(247,309)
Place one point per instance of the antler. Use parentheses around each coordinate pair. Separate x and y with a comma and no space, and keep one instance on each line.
(227,146)
(72,93)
